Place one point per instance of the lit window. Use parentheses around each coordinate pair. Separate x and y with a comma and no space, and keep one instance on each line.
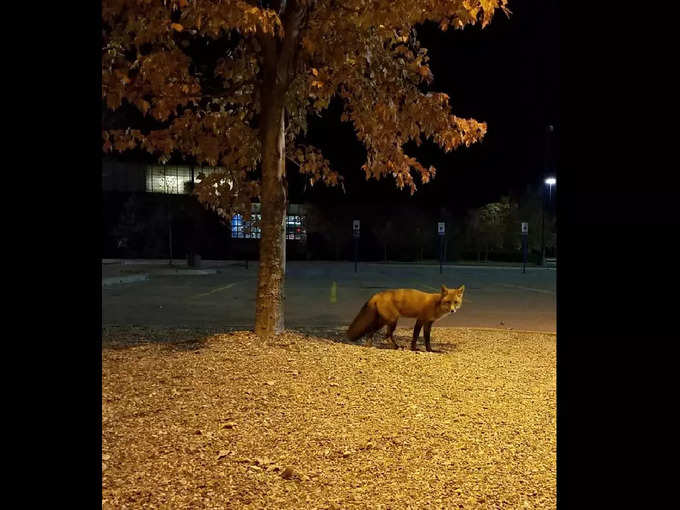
(171,180)
(242,229)
(237,226)
(294,228)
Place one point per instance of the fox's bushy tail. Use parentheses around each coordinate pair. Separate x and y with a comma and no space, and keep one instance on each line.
(367,321)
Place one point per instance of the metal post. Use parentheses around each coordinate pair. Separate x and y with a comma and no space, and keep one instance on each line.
(547,168)
(356,229)
(543,228)
(525,242)
(169,228)
(441,253)
(441,232)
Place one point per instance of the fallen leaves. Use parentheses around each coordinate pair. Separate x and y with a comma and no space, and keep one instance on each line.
(473,425)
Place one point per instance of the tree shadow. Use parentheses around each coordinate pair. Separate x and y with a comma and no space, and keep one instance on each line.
(195,339)
(338,335)
(171,339)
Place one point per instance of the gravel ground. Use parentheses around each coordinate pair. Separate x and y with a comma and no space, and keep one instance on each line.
(195,419)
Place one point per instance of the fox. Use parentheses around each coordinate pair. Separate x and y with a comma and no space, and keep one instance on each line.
(385,308)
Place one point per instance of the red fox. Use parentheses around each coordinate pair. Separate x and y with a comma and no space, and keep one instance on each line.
(385,308)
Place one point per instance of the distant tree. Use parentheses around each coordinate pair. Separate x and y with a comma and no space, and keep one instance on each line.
(335,225)
(422,232)
(490,227)
(129,229)
(142,229)
(386,232)
(245,105)
(530,210)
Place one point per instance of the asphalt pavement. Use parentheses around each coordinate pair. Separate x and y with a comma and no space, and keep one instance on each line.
(321,294)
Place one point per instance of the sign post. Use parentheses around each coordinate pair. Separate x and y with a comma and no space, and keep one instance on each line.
(356,226)
(441,230)
(525,235)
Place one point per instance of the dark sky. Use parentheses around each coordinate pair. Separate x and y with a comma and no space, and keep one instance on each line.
(506,75)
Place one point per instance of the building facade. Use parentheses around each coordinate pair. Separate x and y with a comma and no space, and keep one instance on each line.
(165,192)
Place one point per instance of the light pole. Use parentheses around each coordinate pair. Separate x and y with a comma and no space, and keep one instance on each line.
(550,181)
(549,129)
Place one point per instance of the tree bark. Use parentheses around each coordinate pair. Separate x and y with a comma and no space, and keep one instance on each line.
(278,70)
(269,302)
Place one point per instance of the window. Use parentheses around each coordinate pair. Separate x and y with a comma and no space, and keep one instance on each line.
(237,227)
(242,229)
(172,180)
(294,228)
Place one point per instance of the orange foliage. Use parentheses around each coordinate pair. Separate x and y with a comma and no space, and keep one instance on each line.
(365,52)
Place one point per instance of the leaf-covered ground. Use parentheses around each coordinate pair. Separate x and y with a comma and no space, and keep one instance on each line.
(196,420)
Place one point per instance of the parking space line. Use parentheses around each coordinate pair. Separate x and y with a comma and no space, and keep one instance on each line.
(542,291)
(213,291)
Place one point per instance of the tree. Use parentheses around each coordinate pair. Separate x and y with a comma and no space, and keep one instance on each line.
(386,231)
(530,210)
(490,226)
(278,61)
(335,224)
(129,230)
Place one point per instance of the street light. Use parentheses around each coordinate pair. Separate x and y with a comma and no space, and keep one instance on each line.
(550,181)
(549,130)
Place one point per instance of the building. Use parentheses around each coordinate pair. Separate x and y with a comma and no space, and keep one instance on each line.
(169,186)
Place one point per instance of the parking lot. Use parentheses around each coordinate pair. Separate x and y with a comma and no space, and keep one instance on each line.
(327,294)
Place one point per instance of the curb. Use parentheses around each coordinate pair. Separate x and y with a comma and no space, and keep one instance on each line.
(175,272)
(115,280)
(460,266)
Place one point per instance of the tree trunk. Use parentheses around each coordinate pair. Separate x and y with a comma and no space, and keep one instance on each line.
(271,271)
(278,70)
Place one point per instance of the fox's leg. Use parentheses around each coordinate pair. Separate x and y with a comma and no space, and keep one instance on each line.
(416,333)
(390,330)
(426,335)
(376,327)
(369,338)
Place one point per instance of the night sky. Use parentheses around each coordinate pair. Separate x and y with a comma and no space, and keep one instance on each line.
(506,75)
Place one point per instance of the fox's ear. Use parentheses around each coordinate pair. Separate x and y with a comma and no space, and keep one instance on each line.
(444,289)
(461,289)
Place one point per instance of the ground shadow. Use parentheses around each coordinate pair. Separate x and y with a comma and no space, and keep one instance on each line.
(338,335)
(172,339)
(195,339)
